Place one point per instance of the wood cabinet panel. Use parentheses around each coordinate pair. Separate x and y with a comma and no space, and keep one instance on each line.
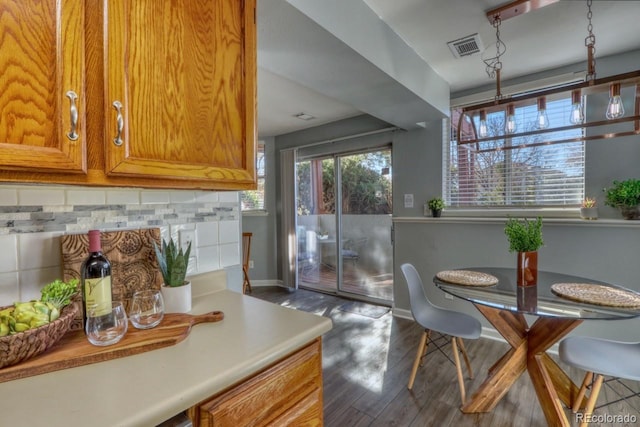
(42,46)
(307,412)
(288,392)
(184,72)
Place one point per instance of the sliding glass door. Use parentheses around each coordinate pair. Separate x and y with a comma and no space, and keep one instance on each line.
(343,226)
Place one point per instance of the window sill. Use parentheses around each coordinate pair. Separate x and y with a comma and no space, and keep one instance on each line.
(602,222)
(531,212)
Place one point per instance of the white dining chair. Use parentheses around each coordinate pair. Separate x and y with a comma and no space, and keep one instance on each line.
(432,318)
(600,357)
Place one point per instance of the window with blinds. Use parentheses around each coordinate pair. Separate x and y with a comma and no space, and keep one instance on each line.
(527,171)
(253,200)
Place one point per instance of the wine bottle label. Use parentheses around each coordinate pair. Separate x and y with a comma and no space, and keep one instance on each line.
(98,294)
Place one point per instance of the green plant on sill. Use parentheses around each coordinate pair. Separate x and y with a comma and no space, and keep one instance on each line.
(524,236)
(589,202)
(623,194)
(173,263)
(436,204)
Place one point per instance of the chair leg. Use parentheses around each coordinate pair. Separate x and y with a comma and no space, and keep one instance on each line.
(583,388)
(422,349)
(426,345)
(591,403)
(456,358)
(246,285)
(466,358)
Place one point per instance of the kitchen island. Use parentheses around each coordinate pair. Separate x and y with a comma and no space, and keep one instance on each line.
(148,388)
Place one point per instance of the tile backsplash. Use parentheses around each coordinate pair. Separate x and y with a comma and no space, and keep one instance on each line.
(32,219)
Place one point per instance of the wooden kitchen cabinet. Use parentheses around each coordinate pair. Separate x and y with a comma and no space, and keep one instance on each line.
(287,393)
(170,95)
(41,60)
(177,69)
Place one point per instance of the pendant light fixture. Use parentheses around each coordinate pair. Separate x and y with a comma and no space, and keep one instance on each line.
(511,126)
(577,114)
(483,129)
(494,64)
(610,124)
(542,121)
(615,109)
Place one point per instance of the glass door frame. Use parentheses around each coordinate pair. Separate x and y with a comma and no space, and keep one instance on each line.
(338,287)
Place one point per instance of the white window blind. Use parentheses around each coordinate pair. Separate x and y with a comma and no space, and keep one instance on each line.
(517,172)
(253,200)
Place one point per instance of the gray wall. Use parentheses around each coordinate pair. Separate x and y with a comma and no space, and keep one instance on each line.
(354,126)
(607,252)
(263,225)
(265,244)
(607,249)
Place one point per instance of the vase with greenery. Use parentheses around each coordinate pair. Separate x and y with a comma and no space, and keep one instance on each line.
(625,196)
(436,205)
(525,238)
(173,263)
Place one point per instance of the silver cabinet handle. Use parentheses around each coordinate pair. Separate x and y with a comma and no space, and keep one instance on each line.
(73,110)
(119,122)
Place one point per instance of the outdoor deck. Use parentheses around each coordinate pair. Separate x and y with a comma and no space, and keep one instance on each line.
(355,281)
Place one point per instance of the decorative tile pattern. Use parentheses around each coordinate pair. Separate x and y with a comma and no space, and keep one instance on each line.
(76,218)
(34,217)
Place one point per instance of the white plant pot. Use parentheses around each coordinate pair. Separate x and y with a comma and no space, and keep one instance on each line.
(589,213)
(177,299)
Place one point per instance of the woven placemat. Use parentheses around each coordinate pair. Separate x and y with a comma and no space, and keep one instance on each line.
(467,277)
(597,294)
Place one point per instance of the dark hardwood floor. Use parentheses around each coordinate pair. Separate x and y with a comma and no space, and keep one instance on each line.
(367,362)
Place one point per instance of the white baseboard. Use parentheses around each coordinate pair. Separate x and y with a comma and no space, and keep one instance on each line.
(259,283)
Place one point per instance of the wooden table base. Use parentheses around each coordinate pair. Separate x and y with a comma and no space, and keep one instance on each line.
(528,352)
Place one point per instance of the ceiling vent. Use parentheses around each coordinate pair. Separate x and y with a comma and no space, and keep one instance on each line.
(466,46)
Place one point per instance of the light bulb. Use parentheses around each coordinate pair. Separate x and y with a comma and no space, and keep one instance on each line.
(510,126)
(615,109)
(576,117)
(483,130)
(543,120)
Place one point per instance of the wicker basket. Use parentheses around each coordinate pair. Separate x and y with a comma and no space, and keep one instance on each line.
(24,345)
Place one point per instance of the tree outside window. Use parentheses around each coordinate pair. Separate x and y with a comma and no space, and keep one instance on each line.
(516,172)
(366,184)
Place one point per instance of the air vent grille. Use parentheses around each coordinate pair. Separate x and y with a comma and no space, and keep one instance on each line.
(466,46)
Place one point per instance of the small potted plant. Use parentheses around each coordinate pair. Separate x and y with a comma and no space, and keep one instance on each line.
(625,195)
(436,205)
(173,263)
(525,238)
(588,210)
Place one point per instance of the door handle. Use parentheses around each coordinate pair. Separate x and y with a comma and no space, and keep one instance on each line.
(73,112)
(119,123)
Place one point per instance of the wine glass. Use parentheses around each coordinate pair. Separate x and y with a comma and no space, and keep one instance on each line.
(147,309)
(106,323)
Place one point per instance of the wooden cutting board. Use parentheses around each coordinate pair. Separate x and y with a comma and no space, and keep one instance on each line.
(75,350)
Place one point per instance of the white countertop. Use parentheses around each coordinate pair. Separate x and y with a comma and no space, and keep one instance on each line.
(148,388)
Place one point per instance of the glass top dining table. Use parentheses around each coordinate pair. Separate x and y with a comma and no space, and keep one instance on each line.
(504,305)
(537,300)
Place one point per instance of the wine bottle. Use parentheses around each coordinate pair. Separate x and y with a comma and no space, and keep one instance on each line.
(96,278)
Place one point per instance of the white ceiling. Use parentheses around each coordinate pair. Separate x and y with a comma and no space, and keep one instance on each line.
(304,67)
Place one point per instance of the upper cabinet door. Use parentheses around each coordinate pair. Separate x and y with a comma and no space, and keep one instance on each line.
(180,95)
(42,85)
